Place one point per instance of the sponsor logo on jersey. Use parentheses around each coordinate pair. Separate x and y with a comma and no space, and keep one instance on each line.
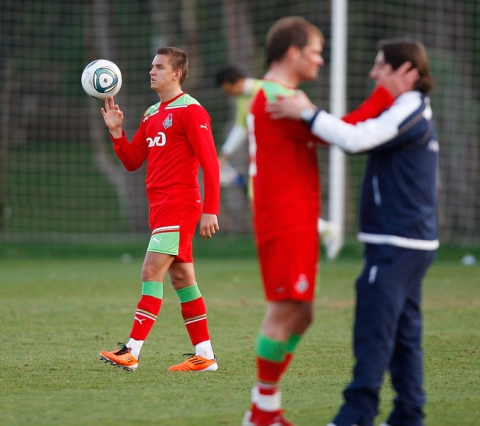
(204,126)
(159,140)
(168,121)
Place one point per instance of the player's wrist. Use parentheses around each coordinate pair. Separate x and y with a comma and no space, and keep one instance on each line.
(116,132)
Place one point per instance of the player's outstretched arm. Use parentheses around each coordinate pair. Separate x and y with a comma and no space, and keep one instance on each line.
(113,117)
(396,82)
(208,225)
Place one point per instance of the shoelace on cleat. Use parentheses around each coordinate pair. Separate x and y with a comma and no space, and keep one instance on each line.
(189,355)
(194,355)
(123,349)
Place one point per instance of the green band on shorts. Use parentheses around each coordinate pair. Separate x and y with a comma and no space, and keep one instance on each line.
(293,342)
(270,349)
(188,294)
(152,288)
(165,242)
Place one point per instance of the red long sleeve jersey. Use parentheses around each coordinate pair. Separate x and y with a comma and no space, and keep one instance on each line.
(283,163)
(175,138)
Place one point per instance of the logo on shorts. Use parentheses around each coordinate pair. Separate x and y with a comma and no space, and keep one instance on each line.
(301,286)
(168,121)
(157,241)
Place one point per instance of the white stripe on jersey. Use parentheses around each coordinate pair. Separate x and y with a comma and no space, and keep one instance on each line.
(395,240)
(176,106)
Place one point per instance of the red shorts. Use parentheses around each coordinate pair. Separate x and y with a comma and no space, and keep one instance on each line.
(175,218)
(289,265)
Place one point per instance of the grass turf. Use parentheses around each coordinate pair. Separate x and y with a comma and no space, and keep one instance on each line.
(56,314)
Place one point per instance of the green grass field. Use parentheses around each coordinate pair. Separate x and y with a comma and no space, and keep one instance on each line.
(58,311)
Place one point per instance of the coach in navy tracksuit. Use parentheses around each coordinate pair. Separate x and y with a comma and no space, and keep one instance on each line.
(399,228)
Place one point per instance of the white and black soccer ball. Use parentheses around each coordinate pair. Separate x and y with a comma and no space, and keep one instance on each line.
(101,79)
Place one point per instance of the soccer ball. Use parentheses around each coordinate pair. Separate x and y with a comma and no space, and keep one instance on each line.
(101,79)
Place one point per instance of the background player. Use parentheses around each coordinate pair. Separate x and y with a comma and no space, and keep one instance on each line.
(399,228)
(233,156)
(235,83)
(175,138)
(286,201)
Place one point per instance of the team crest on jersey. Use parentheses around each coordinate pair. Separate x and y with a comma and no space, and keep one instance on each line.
(301,286)
(168,121)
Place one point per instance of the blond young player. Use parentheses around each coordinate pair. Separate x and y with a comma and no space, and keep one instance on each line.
(175,138)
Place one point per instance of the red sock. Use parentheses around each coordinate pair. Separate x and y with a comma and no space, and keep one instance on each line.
(147,310)
(194,314)
(286,362)
(269,371)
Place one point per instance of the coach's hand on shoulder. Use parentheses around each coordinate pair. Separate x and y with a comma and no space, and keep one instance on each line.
(208,225)
(289,106)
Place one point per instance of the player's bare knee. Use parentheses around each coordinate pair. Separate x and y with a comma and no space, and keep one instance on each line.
(305,317)
(147,273)
(181,275)
(178,282)
(151,272)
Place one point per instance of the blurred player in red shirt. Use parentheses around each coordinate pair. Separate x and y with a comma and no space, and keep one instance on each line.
(286,204)
(286,208)
(175,138)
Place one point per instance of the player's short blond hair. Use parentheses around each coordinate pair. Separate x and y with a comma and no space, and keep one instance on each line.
(178,59)
(286,32)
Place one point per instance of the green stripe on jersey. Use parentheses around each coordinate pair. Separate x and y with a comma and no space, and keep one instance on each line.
(152,288)
(188,294)
(272,89)
(270,349)
(185,99)
(152,109)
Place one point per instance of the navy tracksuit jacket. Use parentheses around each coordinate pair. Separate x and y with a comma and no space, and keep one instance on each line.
(398,224)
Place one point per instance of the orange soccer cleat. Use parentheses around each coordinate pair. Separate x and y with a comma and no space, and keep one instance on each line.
(195,363)
(121,358)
